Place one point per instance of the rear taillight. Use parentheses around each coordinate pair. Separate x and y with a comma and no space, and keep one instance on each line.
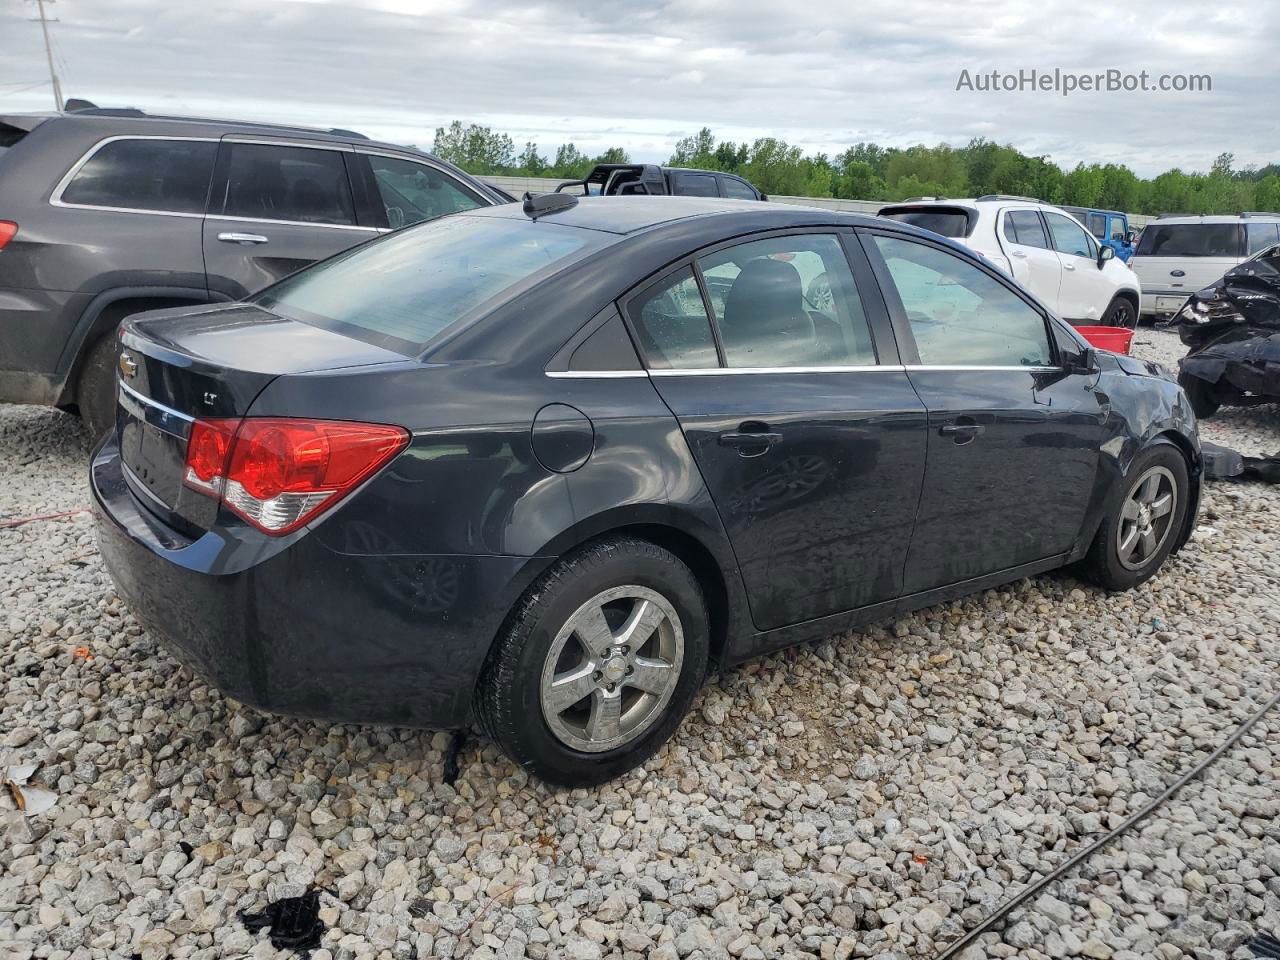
(8,230)
(280,473)
(208,448)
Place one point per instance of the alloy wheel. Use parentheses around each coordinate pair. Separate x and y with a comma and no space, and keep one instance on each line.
(1146,517)
(612,669)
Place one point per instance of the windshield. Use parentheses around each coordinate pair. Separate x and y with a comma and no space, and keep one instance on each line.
(1190,240)
(946,221)
(402,291)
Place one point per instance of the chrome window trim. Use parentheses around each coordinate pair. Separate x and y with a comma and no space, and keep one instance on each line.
(726,371)
(595,374)
(55,198)
(980,366)
(296,223)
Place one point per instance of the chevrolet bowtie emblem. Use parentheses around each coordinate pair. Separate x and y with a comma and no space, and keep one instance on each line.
(128,365)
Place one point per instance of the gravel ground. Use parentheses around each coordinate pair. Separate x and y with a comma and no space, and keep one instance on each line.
(869,796)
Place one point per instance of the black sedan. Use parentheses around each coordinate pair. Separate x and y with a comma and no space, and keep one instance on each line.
(540,466)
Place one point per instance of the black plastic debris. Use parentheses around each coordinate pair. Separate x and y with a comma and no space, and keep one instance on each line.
(453,757)
(1263,945)
(1223,463)
(294,921)
(1233,331)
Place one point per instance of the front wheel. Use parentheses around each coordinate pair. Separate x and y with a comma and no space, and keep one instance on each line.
(1140,529)
(1120,313)
(598,663)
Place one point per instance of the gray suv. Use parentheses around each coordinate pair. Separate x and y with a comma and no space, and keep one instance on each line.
(105,213)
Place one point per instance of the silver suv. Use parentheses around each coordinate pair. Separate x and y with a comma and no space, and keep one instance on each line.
(1178,255)
(104,213)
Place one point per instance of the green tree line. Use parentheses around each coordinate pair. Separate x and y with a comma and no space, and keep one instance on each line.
(867,171)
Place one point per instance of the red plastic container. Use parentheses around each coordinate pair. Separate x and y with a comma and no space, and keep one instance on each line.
(1115,339)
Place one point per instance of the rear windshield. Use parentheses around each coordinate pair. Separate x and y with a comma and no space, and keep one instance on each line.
(402,291)
(1190,240)
(947,221)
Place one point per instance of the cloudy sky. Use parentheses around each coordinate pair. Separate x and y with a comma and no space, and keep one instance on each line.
(641,74)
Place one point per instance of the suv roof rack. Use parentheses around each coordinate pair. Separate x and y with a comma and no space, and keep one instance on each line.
(1007,196)
(84,108)
(917,199)
(1259,213)
(1162,216)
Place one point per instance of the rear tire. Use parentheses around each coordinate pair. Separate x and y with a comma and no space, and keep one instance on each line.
(1121,313)
(1136,537)
(629,705)
(1204,396)
(96,387)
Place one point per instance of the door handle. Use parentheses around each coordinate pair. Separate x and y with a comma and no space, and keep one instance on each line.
(962,433)
(752,439)
(1019,254)
(1068,266)
(245,238)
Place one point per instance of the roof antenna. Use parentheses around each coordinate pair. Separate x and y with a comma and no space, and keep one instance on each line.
(540,204)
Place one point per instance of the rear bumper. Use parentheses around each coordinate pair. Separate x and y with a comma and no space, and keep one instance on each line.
(292,626)
(1157,304)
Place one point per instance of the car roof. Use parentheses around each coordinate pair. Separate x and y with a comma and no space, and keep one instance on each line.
(128,120)
(631,214)
(1215,218)
(974,202)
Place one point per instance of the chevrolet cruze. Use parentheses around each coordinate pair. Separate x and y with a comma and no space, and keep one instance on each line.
(539,465)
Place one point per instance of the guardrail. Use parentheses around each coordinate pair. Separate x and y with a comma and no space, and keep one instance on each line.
(518,185)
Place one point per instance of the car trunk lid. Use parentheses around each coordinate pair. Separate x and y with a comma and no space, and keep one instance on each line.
(178,365)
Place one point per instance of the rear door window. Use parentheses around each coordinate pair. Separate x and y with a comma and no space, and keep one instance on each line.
(413,192)
(1097,224)
(145,174)
(671,322)
(696,185)
(298,184)
(1190,240)
(1026,228)
(961,315)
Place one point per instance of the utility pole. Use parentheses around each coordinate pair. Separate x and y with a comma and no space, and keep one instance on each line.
(48,52)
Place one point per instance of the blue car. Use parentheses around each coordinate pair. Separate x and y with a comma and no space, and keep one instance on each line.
(1110,227)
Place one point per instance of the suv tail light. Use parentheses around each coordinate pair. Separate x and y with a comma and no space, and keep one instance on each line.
(8,230)
(280,473)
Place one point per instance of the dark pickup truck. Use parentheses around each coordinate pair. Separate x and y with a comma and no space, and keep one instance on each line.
(626,179)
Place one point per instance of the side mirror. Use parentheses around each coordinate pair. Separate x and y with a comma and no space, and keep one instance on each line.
(1105,254)
(1130,237)
(1085,361)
